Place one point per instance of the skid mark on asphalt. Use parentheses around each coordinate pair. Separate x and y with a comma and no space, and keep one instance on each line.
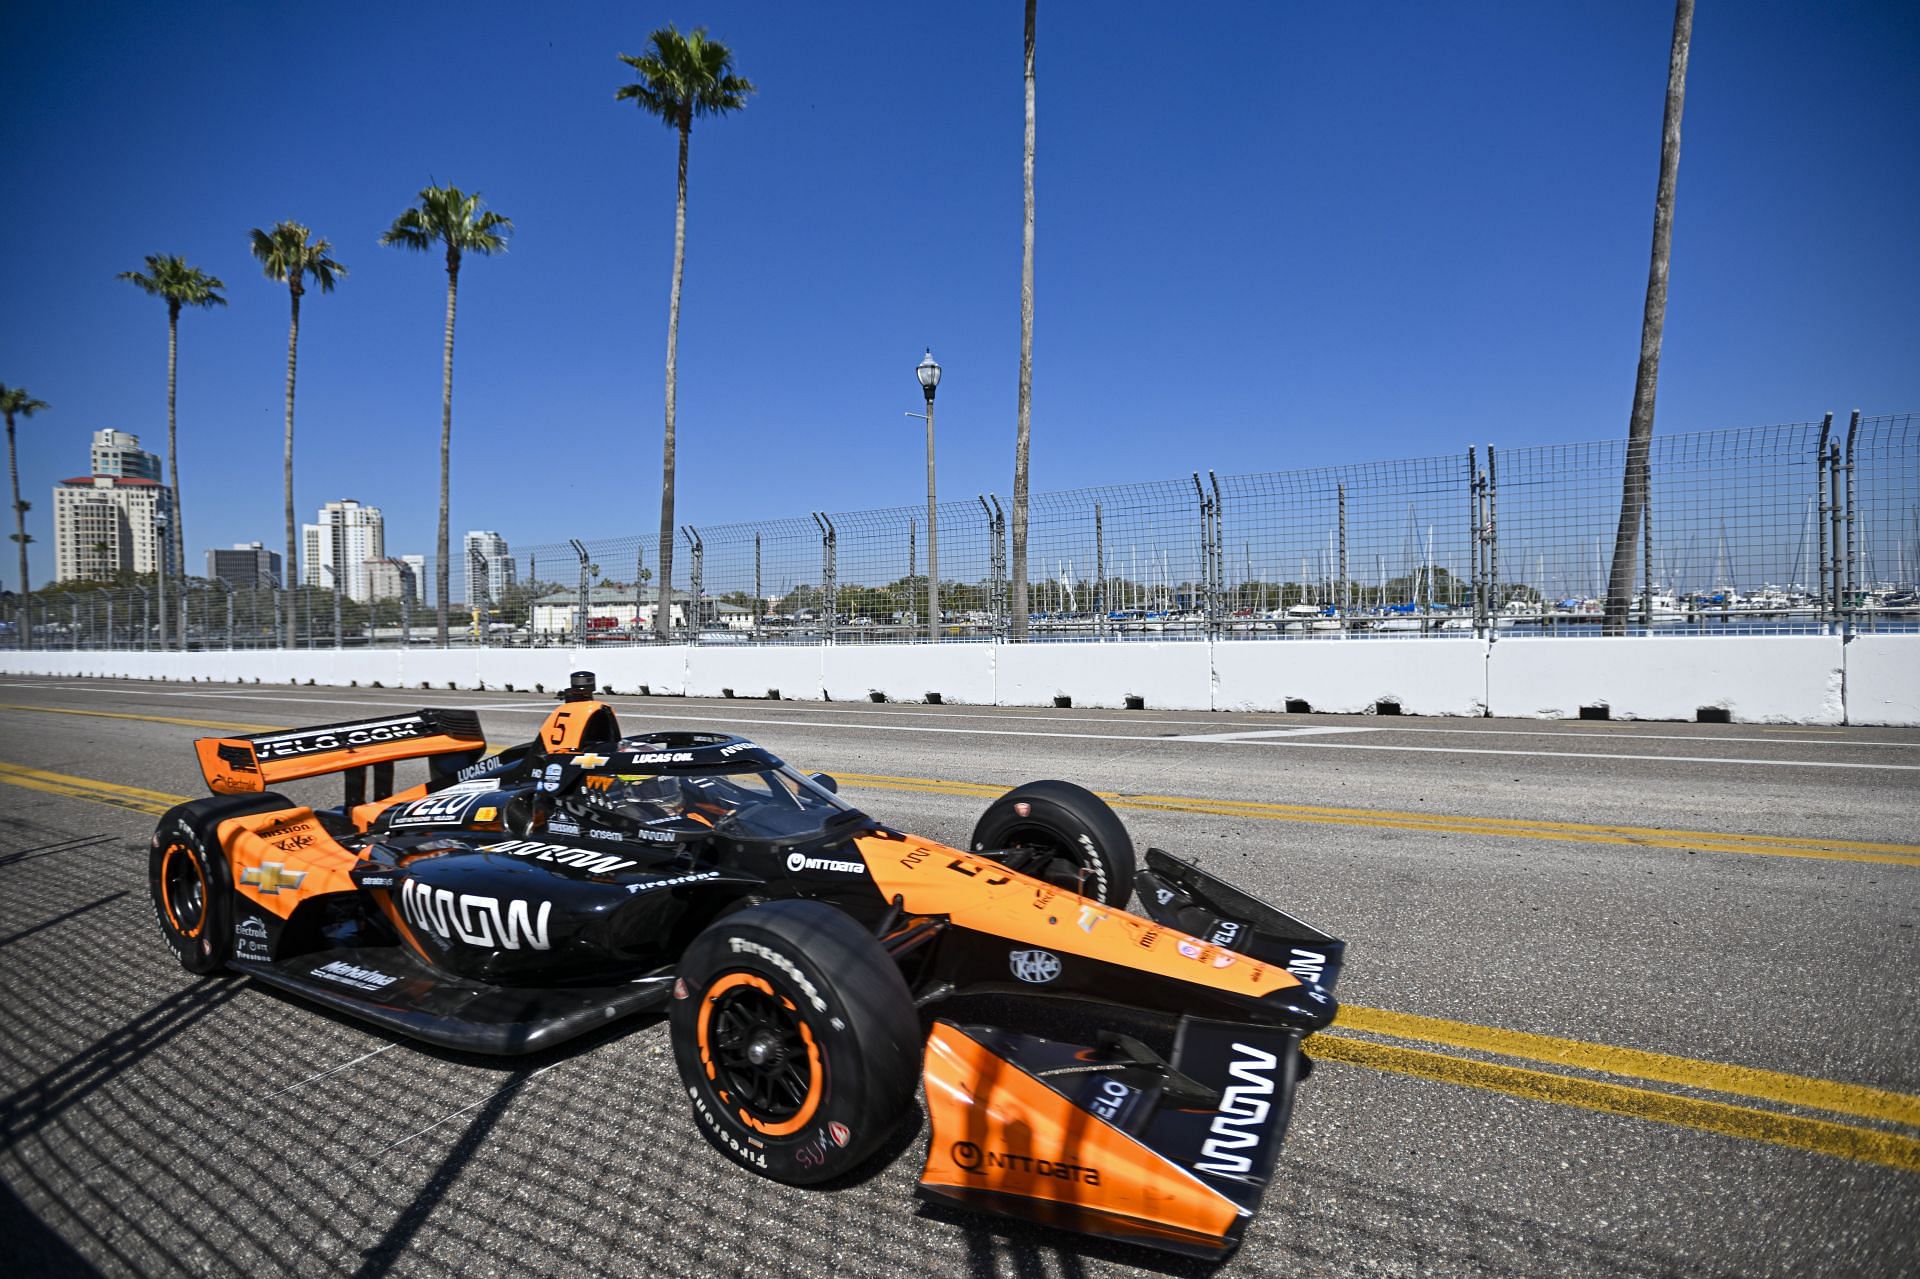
(1820,1136)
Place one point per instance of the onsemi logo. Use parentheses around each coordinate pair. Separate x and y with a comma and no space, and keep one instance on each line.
(1243,1110)
(474,919)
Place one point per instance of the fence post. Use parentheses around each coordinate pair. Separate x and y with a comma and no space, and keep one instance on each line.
(580,595)
(1493,545)
(759,595)
(1646,553)
(1476,518)
(696,573)
(1002,604)
(829,588)
(1820,526)
(1099,571)
(1852,596)
(1837,523)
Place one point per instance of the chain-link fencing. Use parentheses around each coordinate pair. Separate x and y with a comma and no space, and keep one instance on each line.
(1810,527)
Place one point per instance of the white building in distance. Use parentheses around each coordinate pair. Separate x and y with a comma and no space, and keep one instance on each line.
(489,567)
(336,550)
(107,521)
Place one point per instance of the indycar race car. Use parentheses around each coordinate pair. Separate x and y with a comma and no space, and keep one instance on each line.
(514,900)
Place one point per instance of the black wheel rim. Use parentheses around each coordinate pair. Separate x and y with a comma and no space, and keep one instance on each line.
(759,1057)
(1057,861)
(186,890)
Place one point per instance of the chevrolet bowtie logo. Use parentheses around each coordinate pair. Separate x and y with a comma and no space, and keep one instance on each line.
(589,761)
(271,877)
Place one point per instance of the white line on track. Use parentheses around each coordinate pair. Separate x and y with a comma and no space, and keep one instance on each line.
(521,1083)
(332,1070)
(1291,745)
(864,721)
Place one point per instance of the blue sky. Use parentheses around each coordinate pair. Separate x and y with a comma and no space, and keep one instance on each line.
(1270,235)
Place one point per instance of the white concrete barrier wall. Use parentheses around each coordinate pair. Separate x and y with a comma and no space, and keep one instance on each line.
(1766,679)
(1871,679)
(1883,680)
(962,674)
(1166,676)
(1349,677)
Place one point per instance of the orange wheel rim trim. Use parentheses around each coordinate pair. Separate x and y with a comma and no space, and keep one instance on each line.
(166,897)
(816,1087)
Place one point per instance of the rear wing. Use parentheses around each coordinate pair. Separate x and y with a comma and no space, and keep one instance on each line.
(240,765)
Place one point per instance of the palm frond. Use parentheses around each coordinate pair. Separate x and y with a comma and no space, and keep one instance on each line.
(14,400)
(684,76)
(181,285)
(451,217)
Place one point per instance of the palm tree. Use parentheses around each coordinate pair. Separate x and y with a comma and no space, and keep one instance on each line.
(289,255)
(684,76)
(15,400)
(451,218)
(1024,415)
(1633,497)
(179,285)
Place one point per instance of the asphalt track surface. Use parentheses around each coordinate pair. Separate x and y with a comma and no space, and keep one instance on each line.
(1621,998)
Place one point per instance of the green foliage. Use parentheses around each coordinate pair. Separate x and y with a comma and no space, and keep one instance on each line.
(179,284)
(288,255)
(15,400)
(683,77)
(453,218)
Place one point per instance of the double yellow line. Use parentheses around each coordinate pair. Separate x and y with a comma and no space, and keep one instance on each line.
(1380,1039)
(1876,1145)
(1498,827)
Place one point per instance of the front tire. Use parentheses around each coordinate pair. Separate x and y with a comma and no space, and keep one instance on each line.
(1088,850)
(796,1039)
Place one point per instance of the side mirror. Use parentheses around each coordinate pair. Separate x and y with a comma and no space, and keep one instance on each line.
(824,782)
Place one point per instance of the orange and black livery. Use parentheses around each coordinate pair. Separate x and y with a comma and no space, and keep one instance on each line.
(1106,1044)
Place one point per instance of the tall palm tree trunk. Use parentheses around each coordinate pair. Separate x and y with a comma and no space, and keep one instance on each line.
(446,440)
(1633,498)
(1024,420)
(165,549)
(663,599)
(19,515)
(290,575)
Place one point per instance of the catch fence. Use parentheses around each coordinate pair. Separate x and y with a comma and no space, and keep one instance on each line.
(1804,528)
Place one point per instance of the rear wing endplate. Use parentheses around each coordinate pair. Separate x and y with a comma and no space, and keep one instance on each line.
(240,765)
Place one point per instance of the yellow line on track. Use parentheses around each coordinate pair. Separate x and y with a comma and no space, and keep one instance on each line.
(143,801)
(1497,827)
(1821,1136)
(1712,1076)
(1869,1145)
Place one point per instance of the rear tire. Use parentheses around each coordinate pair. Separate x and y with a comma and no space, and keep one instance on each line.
(188,878)
(796,1039)
(1090,850)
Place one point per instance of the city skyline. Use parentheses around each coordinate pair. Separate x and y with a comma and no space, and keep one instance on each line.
(1314,273)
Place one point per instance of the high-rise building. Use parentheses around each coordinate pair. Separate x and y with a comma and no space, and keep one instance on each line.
(118,454)
(108,521)
(418,563)
(335,551)
(489,567)
(392,579)
(247,564)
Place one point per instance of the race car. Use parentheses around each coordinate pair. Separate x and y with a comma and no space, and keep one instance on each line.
(800,948)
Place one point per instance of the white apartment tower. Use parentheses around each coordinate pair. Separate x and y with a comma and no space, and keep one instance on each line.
(107,522)
(489,566)
(338,547)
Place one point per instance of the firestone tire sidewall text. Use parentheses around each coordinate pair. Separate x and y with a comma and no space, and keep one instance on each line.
(850,1010)
(180,862)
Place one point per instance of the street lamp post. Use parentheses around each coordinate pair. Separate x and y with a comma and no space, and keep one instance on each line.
(929,374)
(160,522)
